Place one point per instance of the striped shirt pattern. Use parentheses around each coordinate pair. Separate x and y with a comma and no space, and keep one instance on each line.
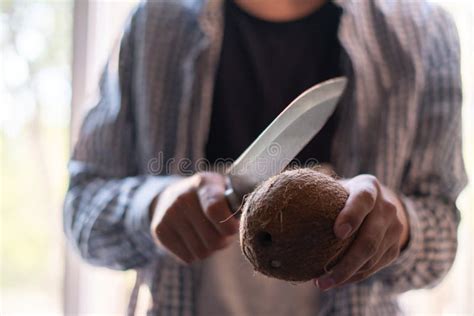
(400,120)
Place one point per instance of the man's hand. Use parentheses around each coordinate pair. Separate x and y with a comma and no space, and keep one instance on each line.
(191,218)
(377,217)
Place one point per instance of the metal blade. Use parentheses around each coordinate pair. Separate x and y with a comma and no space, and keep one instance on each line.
(284,138)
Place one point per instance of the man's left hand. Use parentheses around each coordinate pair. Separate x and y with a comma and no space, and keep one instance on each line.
(377,217)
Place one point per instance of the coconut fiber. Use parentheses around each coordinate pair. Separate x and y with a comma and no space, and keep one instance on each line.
(286,227)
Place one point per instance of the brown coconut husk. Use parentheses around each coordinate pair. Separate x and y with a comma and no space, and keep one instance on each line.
(286,227)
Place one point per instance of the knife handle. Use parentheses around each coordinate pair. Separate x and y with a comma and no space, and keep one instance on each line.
(233,200)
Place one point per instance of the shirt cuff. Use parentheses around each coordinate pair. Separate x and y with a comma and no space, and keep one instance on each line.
(137,219)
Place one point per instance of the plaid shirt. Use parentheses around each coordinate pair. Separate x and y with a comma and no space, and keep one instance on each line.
(400,120)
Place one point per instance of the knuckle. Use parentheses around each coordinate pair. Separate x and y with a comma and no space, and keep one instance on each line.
(397,227)
(367,196)
(372,180)
(390,208)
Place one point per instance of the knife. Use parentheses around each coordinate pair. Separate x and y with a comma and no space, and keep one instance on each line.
(282,140)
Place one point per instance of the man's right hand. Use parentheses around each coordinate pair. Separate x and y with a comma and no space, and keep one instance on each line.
(191,218)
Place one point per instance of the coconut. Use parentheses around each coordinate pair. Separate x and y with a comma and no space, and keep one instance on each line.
(286,226)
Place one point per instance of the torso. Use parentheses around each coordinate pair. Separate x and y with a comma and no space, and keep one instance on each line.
(265,65)
(229,286)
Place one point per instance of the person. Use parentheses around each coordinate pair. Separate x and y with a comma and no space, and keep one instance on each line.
(201,79)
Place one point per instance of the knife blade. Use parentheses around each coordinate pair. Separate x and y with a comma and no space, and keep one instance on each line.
(283,139)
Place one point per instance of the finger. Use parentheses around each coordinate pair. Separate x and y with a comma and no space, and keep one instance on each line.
(207,231)
(363,194)
(389,241)
(355,278)
(363,248)
(389,249)
(174,244)
(387,257)
(373,262)
(211,197)
(192,240)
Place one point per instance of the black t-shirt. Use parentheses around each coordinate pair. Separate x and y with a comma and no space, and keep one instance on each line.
(265,65)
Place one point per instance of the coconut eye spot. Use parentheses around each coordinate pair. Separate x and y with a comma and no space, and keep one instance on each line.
(264,239)
(275,263)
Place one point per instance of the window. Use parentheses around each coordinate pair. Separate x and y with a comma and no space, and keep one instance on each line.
(97,28)
(35,93)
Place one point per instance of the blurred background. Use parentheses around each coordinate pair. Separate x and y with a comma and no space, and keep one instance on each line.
(51,55)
